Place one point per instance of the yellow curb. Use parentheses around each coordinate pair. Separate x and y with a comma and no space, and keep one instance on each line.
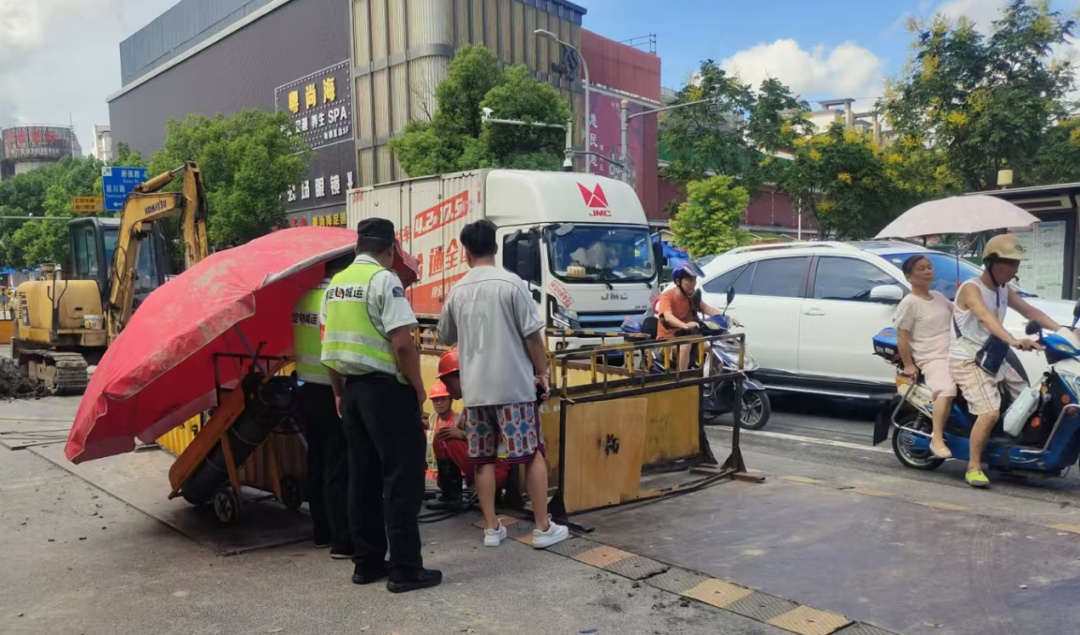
(602,556)
(807,621)
(870,492)
(717,593)
(948,506)
(1066,527)
(802,479)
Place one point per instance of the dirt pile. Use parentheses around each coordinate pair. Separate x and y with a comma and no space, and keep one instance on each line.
(15,385)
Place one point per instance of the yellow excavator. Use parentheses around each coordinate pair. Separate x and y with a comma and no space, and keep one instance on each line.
(65,322)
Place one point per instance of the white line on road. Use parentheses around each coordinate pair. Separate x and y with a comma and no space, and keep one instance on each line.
(829,442)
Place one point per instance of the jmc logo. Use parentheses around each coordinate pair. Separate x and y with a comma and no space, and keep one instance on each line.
(596,200)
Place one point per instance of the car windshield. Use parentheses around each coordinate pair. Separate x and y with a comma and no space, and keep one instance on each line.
(946,269)
(601,253)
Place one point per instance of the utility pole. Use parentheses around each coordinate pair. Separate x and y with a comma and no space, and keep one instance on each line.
(585,81)
(568,152)
(624,120)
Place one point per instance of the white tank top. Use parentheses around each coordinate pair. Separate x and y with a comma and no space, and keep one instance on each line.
(972,332)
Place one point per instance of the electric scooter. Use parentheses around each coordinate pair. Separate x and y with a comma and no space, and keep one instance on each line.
(721,356)
(1045,447)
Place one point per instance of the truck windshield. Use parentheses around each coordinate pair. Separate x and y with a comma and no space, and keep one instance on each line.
(600,253)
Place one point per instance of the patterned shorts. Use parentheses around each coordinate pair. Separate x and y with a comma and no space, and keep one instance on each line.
(511,431)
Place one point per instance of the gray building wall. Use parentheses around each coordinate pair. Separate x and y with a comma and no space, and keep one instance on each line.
(181,27)
(243,70)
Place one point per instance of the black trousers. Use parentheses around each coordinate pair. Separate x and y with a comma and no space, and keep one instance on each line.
(328,467)
(386,472)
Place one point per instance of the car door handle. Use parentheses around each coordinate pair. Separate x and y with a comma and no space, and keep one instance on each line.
(814,311)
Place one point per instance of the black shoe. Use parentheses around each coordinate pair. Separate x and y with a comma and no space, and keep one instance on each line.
(341,553)
(321,544)
(366,575)
(422,579)
(444,503)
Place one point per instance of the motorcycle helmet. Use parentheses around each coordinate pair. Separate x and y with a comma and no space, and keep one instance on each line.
(1003,247)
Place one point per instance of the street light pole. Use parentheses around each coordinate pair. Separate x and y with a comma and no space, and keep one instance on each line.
(624,120)
(568,151)
(585,82)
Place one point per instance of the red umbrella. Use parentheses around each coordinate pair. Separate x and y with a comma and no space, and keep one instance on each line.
(160,371)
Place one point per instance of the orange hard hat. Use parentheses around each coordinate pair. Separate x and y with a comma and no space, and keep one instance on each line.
(439,390)
(448,363)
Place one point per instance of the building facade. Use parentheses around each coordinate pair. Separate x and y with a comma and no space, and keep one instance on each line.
(103,143)
(25,148)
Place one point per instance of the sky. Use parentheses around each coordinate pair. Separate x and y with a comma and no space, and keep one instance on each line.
(59,59)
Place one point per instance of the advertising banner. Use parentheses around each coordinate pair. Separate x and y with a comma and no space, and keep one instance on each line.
(320,105)
(605,132)
(37,143)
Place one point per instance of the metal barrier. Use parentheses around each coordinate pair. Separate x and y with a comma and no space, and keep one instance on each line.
(672,437)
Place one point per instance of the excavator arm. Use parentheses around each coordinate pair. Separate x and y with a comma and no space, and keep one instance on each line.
(143,207)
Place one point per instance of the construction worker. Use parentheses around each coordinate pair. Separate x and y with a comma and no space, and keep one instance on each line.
(327,461)
(375,372)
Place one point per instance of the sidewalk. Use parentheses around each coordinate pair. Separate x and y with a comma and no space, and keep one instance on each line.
(78,560)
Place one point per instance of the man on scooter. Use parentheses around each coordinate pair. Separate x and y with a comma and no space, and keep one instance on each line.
(677,309)
(976,361)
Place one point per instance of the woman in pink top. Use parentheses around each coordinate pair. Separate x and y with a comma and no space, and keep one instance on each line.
(923,320)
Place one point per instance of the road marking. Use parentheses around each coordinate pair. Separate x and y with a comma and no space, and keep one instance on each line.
(870,492)
(803,479)
(1066,527)
(828,442)
(948,506)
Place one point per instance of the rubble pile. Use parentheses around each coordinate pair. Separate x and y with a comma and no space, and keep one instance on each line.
(16,385)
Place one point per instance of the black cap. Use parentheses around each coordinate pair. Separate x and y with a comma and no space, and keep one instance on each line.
(378,228)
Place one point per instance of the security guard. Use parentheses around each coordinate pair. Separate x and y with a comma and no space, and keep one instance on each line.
(375,373)
(327,461)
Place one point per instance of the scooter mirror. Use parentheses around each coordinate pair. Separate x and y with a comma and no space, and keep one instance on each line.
(1032,327)
(730,295)
(697,296)
(1076,312)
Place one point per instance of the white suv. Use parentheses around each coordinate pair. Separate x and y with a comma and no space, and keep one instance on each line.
(811,309)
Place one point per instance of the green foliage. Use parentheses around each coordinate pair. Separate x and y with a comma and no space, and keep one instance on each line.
(708,222)
(45,191)
(1058,160)
(710,138)
(456,139)
(986,102)
(840,177)
(247,161)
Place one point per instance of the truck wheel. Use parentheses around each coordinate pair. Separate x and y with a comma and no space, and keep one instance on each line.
(903,443)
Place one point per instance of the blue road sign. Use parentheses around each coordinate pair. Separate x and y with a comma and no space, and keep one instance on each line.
(116,182)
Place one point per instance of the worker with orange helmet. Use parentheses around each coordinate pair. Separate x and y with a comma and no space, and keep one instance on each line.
(448,448)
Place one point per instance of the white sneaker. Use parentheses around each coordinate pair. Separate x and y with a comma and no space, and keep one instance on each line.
(553,536)
(494,537)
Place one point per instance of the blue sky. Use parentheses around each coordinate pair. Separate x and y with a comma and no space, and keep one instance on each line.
(824,49)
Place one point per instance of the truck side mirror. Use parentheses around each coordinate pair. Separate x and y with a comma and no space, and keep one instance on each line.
(658,255)
(528,258)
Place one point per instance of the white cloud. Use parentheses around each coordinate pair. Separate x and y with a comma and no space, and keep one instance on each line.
(847,70)
(59,59)
(981,12)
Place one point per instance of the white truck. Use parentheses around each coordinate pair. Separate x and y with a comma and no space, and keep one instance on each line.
(580,241)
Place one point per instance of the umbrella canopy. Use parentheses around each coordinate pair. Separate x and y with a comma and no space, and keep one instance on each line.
(958,215)
(160,371)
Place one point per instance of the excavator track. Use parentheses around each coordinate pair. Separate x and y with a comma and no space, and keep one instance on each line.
(61,373)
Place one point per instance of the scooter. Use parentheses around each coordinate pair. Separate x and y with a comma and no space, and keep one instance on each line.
(1045,447)
(721,356)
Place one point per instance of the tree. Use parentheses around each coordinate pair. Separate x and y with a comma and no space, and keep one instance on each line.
(840,176)
(456,138)
(247,161)
(710,139)
(1058,160)
(45,191)
(708,222)
(984,102)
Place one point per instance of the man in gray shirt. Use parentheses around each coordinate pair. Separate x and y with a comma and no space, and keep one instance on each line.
(491,317)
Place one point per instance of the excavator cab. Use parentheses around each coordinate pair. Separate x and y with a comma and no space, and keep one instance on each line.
(93,242)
